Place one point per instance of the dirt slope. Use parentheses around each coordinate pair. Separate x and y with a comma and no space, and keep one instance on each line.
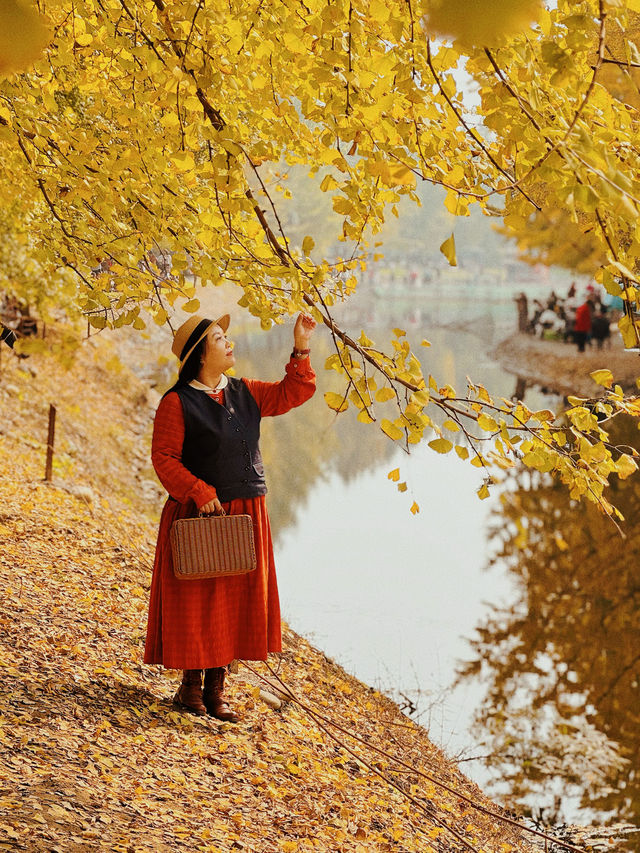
(93,755)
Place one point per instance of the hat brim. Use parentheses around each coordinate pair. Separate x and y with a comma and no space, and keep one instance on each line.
(223,322)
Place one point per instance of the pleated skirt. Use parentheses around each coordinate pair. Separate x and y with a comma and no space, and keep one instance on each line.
(198,624)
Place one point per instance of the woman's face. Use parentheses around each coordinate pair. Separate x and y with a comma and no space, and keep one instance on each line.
(218,351)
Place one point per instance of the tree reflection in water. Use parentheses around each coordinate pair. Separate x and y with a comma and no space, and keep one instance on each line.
(561,720)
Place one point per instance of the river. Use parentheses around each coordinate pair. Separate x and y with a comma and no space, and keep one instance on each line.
(517,650)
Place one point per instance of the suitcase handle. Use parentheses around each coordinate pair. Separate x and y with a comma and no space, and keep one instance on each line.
(211,514)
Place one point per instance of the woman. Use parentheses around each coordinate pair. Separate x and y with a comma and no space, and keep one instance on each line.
(205,452)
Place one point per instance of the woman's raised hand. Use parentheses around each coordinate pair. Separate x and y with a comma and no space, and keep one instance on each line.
(305,324)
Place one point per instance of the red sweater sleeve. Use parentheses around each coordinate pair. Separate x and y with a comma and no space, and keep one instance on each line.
(276,398)
(166,455)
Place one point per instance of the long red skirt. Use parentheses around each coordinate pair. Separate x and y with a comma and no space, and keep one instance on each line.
(199,624)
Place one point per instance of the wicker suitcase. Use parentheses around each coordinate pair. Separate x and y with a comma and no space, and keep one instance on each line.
(212,546)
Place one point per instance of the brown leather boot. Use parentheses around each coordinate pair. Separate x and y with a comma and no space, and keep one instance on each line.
(212,695)
(189,695)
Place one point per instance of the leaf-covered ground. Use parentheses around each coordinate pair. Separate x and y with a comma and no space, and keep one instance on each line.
(94,756)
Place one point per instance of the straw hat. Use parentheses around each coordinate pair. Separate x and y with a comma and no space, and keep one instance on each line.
(191,332)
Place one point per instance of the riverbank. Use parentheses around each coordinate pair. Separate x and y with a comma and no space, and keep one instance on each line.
(558,367)
(94,755)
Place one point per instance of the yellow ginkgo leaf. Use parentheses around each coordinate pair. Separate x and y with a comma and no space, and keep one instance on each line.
(384,394)
(487,423)
(448,249)
(337,402)
(602,377)
(390,429)
(625,466)
(441,445)
(630,334)
(364,417)
(183,161)
(401,175)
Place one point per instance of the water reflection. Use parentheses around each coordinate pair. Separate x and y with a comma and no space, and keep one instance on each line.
(562,662)
(311,442)
(561,665)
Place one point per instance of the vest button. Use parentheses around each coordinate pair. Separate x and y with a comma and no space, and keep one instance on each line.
(237,429)
(246,468)
(245,481)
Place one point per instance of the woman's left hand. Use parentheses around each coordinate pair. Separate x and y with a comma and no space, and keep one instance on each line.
(305,324)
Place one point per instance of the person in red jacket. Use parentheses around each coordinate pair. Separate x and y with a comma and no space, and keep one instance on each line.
(582,325)
(206,454)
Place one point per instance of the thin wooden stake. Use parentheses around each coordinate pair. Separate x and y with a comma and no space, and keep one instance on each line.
(50,441)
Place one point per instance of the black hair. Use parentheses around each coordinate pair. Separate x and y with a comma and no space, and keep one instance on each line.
(191,366)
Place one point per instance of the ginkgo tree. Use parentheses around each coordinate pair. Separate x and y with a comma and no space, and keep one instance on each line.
(148,130)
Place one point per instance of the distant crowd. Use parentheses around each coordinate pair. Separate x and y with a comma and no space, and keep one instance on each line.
(574,319)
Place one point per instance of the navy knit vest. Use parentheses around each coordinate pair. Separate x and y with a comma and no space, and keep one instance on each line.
(221,442)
